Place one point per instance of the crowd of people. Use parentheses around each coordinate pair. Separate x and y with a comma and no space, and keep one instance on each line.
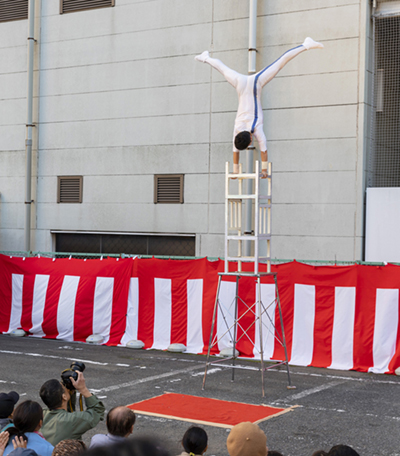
(28,430)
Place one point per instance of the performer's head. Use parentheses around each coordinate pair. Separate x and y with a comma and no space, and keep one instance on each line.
(243,140)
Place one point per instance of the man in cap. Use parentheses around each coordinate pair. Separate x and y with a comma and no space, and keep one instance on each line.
(7,404)
(247,439)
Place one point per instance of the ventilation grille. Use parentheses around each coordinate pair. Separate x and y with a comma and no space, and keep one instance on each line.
(13,10)
(69,6)
(168,188)
(69,189)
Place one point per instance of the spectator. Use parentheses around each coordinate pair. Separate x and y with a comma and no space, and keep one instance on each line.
(120,421)
(27,421)
(23,452)
(195,441)
(274,453)
(129,447)
(320,453)
(247,439)
(342,450)
(58,423)
(7,404)
(69,447)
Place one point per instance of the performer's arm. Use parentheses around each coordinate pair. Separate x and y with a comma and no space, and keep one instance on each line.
(264,164)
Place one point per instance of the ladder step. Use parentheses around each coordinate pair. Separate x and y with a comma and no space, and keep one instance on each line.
(247,237)
(240,197)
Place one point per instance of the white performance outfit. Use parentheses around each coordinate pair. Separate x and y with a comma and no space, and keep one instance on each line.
(249,115)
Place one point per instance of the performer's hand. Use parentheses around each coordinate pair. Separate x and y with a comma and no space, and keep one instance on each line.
(264,174)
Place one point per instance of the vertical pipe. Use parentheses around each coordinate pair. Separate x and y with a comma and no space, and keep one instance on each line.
(250,150)
(29,127)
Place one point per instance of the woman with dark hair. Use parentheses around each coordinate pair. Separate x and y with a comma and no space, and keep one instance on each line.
(195,441)
(27,421)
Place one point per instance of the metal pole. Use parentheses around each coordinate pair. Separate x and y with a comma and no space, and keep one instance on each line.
(29,127)
(250,149)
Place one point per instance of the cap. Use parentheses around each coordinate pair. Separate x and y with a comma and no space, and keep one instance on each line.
(246,439)
(7,403)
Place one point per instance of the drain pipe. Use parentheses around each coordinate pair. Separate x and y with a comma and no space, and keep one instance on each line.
(29,127)
(250,150)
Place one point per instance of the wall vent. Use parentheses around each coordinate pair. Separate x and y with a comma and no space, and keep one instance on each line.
(168,188)
(14,10)
(69,189)
(70,6)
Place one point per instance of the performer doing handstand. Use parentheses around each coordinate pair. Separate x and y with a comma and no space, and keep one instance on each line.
(249,117)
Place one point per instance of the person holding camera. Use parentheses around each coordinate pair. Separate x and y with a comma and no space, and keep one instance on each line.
(58,423)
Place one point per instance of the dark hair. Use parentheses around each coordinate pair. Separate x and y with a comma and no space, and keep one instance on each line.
(26,418)
(195,440)
(274,453)
(242,140)
(51,394)
(129,447)
(342,450)
(120,420)
(320,453)
(69,447)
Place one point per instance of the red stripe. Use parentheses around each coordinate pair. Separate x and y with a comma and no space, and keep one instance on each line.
(179,311)
(49,325)
(83,318)
(323,326)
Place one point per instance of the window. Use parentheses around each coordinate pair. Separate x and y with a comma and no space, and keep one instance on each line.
(132,244)
(69,189)
(70,6)
(168,188)
(13,10)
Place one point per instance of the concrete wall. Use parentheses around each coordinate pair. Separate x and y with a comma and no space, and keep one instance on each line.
(120,98)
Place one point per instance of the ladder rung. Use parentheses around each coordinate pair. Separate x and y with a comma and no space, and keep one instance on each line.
(240,197)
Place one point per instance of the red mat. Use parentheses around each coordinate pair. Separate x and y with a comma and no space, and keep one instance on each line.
(204,410)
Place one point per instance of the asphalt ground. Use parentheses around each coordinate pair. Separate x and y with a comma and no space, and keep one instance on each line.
(357,409)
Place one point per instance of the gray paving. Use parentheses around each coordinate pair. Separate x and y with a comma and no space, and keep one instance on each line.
(358,409)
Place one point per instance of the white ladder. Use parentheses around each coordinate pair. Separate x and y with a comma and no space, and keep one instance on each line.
(234,218)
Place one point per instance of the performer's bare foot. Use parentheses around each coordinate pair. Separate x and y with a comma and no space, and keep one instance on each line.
(309,43)
(202,57)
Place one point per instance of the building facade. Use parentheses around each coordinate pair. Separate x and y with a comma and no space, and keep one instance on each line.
(120,104)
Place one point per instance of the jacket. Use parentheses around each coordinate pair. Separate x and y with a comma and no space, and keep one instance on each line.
(60,425)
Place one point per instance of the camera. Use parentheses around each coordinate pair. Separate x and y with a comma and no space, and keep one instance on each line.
(73,370)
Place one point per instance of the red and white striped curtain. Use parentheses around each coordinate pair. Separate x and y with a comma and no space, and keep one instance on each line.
(339,317)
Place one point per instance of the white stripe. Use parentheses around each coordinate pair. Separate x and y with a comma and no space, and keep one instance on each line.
(102,306)
(66,308)
(343,328)
(38,302)
(226,315)
(385,331)
(162,314)
(132,317)
(310,391)
(16,301)
(303,325)
(268,321)
(194,338)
